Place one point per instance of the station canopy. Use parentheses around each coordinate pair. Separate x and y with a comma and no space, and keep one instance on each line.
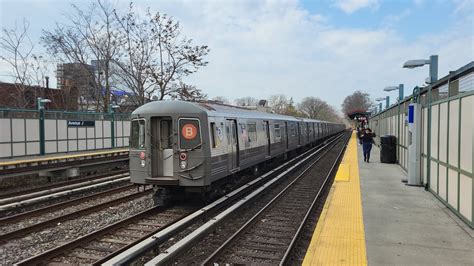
(358,115)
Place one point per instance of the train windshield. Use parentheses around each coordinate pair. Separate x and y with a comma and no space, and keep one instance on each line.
(137,136)
(190,134)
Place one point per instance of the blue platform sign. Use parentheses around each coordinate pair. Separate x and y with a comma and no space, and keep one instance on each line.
(411,114)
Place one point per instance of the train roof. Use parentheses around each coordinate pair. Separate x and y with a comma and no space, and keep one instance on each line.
(211,109)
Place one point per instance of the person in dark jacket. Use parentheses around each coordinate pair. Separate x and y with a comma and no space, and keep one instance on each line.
(367,139)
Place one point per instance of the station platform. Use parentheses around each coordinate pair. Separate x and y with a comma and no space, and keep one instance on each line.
(12,166)
(371,217)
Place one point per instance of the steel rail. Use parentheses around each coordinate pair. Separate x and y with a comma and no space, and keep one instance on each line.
(30,201)
(69,216)
(49,254)
(59,184)
(254,218)
(156,239)
(35,212)
(38,194)
(290,248)
(170,253)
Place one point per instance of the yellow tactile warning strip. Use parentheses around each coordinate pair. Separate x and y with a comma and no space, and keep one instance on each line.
(339,236)
(62,157)
(343,172)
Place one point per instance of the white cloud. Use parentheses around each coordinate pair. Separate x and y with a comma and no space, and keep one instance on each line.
(264,48)
(418,2)
(260,48)
(393,19)
(463,6)
(350,6)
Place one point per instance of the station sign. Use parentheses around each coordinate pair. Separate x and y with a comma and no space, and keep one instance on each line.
(81,123)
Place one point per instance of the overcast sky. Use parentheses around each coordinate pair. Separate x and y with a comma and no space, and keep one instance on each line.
(321,48)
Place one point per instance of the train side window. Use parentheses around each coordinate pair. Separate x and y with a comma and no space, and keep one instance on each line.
(277,132)
(252,132)
(216,135)
(137,134)
(293,130)
(166,134)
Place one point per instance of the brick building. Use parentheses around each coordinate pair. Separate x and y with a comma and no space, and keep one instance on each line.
(14,95)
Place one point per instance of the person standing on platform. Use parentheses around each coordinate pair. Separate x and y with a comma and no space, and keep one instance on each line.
(367,139)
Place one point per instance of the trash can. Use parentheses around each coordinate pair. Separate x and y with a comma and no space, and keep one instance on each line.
(388,149)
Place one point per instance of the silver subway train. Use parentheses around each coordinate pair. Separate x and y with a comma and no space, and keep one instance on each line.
(189,146)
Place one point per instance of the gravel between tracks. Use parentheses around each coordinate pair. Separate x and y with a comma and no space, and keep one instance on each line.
(38,242)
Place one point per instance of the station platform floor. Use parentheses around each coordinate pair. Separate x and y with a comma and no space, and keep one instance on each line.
(371,217)
(60,156)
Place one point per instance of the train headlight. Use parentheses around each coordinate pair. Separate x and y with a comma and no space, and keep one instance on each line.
(183,164)
(142,163)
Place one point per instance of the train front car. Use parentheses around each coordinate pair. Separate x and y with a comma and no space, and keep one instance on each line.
(166,147)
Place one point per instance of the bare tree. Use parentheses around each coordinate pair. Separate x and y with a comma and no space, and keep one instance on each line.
(68,46)
(176,57)
(316,108)
(28,69)
(313,107)
(358,101)
(246,101)
(221,99)
(156,57)
(134,62)
(90,35)
(278,103)
(184,92)
(291,109)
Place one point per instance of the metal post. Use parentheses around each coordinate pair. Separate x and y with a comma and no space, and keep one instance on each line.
(112,125)
(41,125)
(433,69)
(398,132)
(401,96)
(400,93)
(387,102)
(380,107)
(428,141)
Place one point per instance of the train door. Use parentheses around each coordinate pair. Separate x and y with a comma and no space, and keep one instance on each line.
(308,131)
(286,134)
(298,131)
(267,131)
(233,144)
(162,146)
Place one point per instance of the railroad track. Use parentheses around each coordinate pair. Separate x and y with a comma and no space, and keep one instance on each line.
(269,236)
(105,242)
(13,203)
(68,216)
(149,229)
(184,233)
(58,184)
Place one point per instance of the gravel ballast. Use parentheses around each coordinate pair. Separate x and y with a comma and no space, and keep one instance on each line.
(35,243)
